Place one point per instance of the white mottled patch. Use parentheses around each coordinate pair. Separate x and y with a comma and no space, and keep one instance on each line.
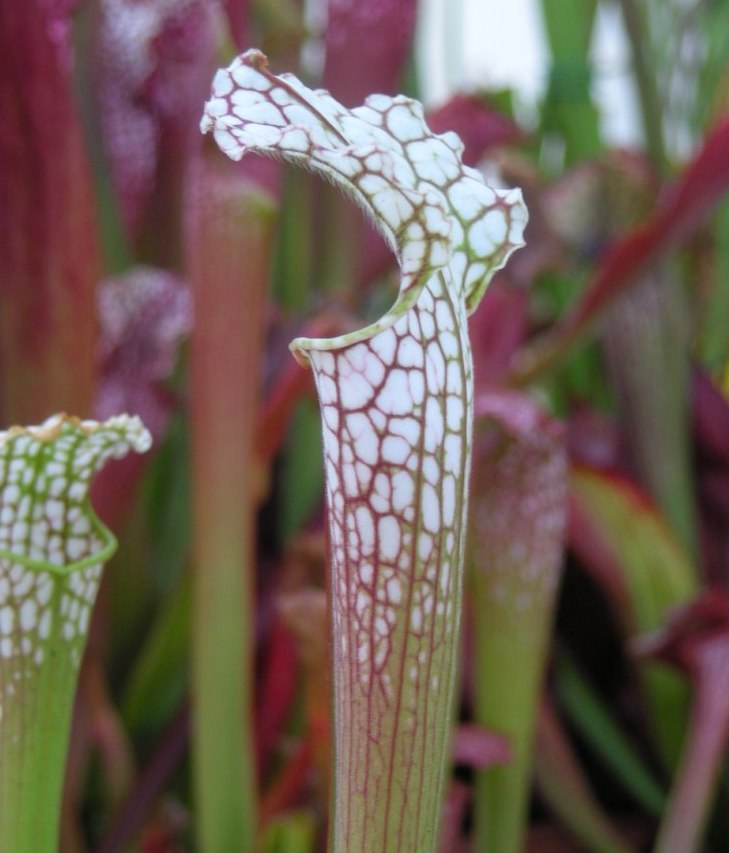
(453,454)
(44,625)
(394,590)
(430,509)
(28,615)
(25,583)
(222,84)
(428,604)
(55,513)
(362,602)
(382,650)
(445,576)
(388,531)
(248,78)
(395,450)
(427,324)
(355,390)
(435,367)
(404,124)
(382,629)
(350,481)
(365,527)
(7,620)
(364,475)
(76,548)
(416,384)
(443,316)
(394,209)
(431,471)
(454,412)
(408,428)
(394,398)
(261,113)
(384,345)
(403,490)
(410,353)
(450,347)
(434,425)
(486,233)
(449,499)
(364,438)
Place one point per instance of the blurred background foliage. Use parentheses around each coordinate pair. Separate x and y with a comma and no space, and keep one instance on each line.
(140,271)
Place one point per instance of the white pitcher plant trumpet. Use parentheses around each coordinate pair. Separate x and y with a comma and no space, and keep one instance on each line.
(396,400)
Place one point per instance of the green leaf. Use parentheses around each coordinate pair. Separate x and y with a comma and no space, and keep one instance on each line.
(562,784)
(159,678)
(228,244)
(52,549)
(657,574)
(290,833)
(518,525)
(567,109)
(604,736)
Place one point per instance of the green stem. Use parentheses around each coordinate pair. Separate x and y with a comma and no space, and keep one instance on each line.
(650,102)
(517,529)
(701,762)
(568,110)
(34,733)
(231,234)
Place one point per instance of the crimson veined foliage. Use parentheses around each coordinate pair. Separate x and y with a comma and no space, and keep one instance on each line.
(396,402)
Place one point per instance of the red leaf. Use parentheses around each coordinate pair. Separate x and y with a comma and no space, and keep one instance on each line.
(479,125)
(48,237)
(154,60)
(593,439)
(691,634)
(478,747)
(367,46)
(497,329)
(711,418)
(276,691)
(144,315)
(683,209)
(711,432)
(454,812)
(288,387)
(696,639)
